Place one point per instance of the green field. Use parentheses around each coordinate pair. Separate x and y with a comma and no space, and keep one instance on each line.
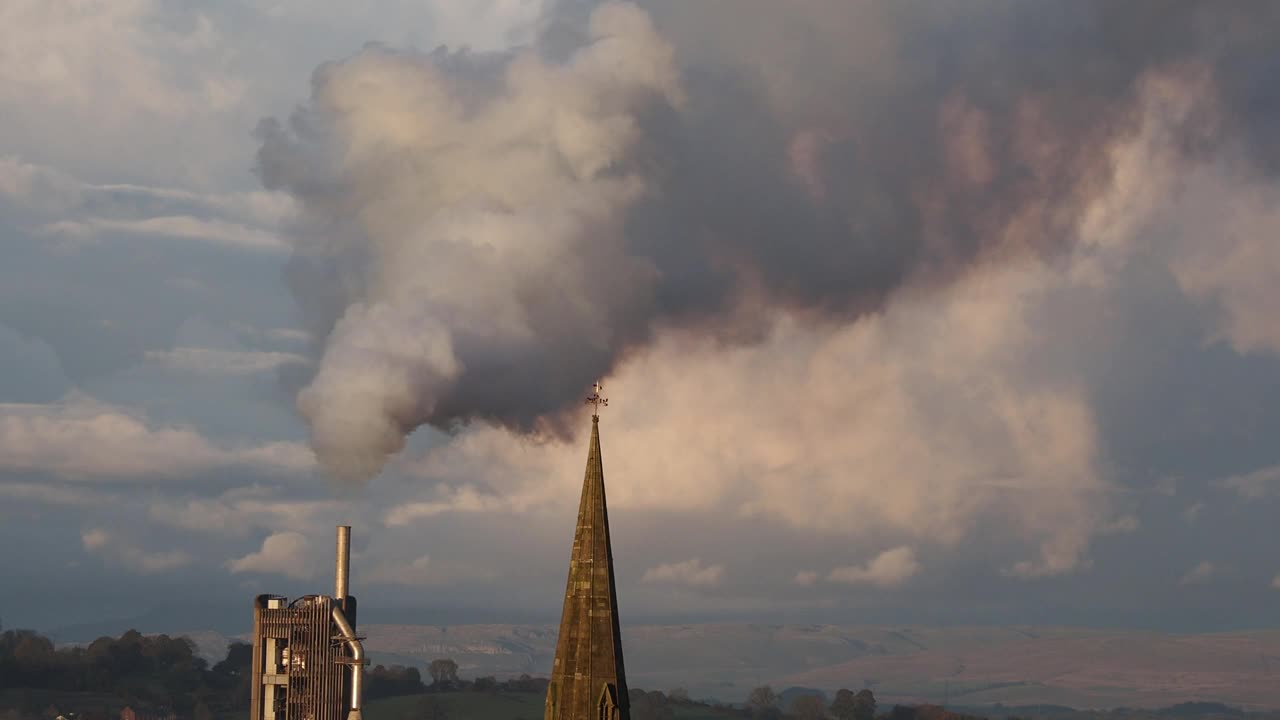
(458,706)
(492,706)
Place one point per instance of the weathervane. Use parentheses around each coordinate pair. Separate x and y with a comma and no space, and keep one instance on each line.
(595,399)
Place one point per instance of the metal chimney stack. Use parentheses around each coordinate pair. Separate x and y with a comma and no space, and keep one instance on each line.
(342,564)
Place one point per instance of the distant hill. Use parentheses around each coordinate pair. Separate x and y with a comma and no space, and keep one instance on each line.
(969,666)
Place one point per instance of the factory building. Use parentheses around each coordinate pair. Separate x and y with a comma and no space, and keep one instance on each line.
(308,662)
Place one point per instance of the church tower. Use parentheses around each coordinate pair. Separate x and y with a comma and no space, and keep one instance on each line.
(587,679)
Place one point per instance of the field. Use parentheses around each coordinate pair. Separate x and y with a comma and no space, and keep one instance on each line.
(490,706)
(458,706)
(969,666)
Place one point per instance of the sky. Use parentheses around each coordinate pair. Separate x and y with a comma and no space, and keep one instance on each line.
(907,312)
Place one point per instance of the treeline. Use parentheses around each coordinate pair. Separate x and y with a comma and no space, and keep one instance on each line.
(1181,711)
(134,669)
(387,681)
(764,704)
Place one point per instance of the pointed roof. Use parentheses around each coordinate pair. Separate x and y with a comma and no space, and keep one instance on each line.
(587,679)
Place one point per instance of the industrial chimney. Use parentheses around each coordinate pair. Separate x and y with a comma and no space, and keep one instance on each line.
(292,640)
(342,564)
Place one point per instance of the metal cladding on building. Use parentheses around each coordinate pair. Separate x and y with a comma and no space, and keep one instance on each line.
(587,679)
(307,661)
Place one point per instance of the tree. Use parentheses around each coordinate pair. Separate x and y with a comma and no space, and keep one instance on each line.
(763,703)
(808,707)
(239,660)
(843,706)
(864,705)
(678,695)
(488,683)
(650,706)
(850,706)
(444,674)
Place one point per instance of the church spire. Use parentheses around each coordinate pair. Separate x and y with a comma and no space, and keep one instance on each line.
(587,679)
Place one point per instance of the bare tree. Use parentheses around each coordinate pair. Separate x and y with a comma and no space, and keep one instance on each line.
(763,703)
(444,674)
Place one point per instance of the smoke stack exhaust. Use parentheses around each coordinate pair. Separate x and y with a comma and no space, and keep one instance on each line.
(342,563)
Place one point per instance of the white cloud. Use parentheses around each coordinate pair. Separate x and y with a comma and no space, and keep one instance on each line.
(478,24)
(1198,575)
(82,438)
(688,572)
(890,568)
(92,83)
(463,499)
(219,232)
(1211,223)
(221,362)
(125,554)
(927,418)
(78,496)
(416,572)
(283,553)
(70,213)
(1260,483)
(806,578)
(241,511)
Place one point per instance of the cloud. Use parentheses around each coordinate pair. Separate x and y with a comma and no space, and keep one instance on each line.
(464,499)
(1121,524)
(890,568)
(219,232)
(1259,483)
(100,83)
(242,510)
(283,553)
(82,438)
(835,200)
(221,362)
(936,402)
(71,213)
(117,551)
(401,350)
(32,371)
(1275,582)
(806,578)
(1198,575)
(416,572)
(688,572)
(1192,513)
(53,494)
(946,402)
(479,24)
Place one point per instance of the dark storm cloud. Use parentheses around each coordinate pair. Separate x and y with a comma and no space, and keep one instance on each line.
(814,155)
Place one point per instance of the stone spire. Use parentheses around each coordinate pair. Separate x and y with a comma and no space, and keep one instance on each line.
(587,679)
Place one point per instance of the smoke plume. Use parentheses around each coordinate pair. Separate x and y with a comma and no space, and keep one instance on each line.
(487,234)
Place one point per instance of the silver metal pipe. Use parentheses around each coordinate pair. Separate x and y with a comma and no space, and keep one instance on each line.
(357,662)
(342,564)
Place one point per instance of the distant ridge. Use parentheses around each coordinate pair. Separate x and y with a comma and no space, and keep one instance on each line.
(980,667)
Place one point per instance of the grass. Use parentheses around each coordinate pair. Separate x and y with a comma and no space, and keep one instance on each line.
(459,706)
(493,706)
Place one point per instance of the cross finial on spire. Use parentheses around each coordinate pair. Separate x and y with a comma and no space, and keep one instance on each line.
(595,399)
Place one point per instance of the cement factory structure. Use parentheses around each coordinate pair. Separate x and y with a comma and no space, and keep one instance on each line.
(308,663)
